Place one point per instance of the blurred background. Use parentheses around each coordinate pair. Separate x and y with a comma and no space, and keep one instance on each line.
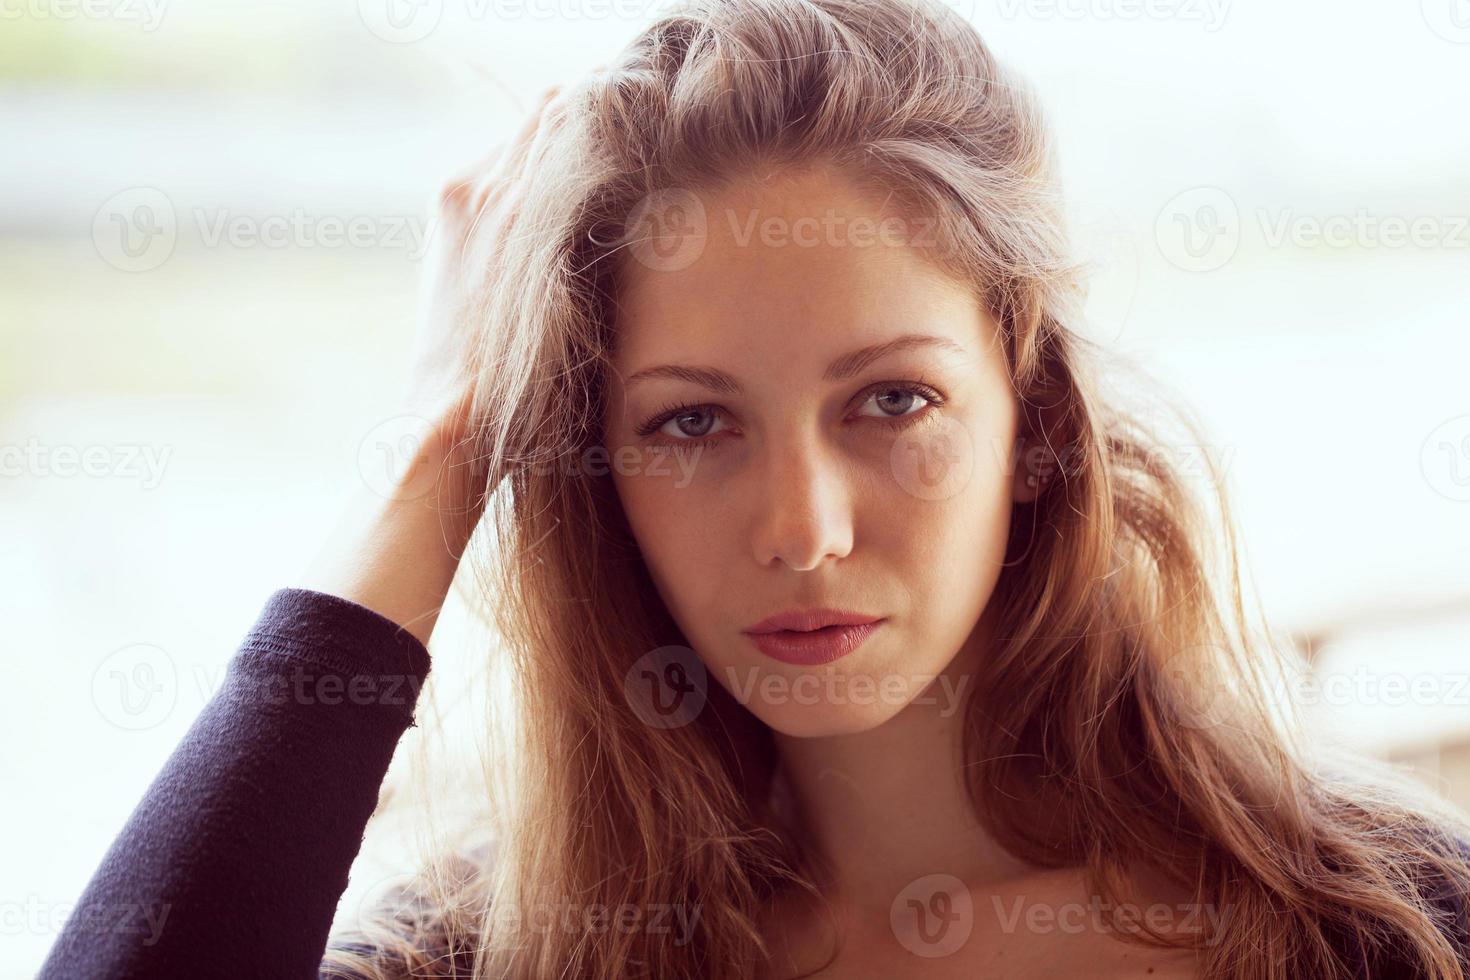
(212,216)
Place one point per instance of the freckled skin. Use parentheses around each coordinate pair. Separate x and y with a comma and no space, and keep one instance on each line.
(799,501)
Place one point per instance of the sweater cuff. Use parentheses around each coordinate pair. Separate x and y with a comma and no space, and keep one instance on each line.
(342,636)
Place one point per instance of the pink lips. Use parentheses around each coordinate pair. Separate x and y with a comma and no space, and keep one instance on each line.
(812,636)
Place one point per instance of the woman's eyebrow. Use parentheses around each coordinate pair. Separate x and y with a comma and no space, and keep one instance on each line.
(840,369)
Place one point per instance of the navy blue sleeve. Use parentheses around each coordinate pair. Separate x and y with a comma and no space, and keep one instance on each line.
(234,860)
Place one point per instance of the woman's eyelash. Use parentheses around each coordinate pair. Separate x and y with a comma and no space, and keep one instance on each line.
(919,387)
(665,414)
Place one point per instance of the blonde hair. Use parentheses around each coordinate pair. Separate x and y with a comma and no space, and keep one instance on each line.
(1135,729)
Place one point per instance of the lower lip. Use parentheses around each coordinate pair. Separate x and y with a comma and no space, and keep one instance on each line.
(815,646)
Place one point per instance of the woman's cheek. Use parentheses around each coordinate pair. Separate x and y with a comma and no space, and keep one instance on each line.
(673,520)
(661,468)
(934,460)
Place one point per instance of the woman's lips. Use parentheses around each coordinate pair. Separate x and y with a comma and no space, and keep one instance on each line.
(811,647)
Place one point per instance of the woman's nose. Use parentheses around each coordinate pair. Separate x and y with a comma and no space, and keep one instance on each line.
(804,508)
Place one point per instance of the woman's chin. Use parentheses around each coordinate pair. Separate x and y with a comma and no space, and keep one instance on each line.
(818,716)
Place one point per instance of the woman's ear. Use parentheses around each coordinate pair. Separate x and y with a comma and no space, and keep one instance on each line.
(1035,467)
(1038,459)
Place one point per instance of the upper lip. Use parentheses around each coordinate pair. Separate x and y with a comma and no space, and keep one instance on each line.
(805,620)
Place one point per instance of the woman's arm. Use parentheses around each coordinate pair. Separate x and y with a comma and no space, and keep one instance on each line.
(234,861)
(396,548)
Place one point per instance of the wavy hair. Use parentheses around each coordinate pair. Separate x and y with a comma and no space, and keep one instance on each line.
(1136,727)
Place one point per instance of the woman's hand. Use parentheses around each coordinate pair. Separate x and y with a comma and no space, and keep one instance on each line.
(397,546)
(472,220)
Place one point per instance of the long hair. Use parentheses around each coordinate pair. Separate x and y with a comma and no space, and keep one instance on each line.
(1137,726)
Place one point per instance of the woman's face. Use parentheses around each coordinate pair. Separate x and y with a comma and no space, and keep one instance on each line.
(806,414)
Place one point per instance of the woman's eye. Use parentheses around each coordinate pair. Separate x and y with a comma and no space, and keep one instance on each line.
(897,402)
(694,423)
(894,401)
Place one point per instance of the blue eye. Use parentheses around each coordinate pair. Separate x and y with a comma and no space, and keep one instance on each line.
(895,401)
(702,425)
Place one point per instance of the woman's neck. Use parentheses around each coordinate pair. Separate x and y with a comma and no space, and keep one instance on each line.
(887,806)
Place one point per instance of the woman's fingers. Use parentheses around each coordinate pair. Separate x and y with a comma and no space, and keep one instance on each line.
(514,160)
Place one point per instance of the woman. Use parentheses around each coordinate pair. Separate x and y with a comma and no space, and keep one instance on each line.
(856,631)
